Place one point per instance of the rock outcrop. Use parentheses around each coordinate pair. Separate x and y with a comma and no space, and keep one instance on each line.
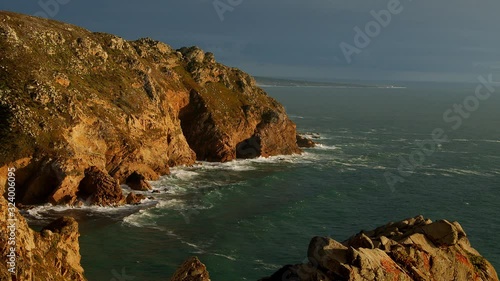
(304,142)
(52,254)
(71,99)
(133,198)
(413,249)
(99,188)
(191,270)
(228,116)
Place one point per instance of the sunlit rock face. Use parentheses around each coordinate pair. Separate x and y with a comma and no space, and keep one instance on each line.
(71,100)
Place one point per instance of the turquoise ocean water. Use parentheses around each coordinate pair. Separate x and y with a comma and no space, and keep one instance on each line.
(247,218)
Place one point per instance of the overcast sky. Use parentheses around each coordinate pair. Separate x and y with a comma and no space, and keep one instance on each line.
(444,40)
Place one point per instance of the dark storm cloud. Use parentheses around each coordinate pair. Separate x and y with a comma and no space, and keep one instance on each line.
(428,40)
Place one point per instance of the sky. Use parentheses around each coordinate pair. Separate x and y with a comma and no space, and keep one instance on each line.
(426,40)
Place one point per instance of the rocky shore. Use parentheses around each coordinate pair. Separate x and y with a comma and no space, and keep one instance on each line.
(84,112)
(52,254)
(415,249)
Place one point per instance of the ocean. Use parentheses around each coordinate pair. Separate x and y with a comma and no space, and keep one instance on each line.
(245,219)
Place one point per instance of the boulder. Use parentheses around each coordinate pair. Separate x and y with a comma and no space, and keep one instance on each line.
(442,233)
(191,270)
(328,254)
(99,188)
(193,54)
(304,142)
(133,199)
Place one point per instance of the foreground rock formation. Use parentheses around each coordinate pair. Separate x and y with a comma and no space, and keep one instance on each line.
(71,100)
(50,255)
(191,270)
(305,142)
(413,249)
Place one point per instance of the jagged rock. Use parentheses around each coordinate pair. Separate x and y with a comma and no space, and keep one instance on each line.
(305,142)
(52,254)
(99,188)
(193,54)
(137,181)
(93,99)
(329,254)
(413,249)
(191,270)
(133,198)
(361,241)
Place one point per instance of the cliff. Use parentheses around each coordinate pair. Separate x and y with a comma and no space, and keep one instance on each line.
(413,249)
(50,255)
(81,112)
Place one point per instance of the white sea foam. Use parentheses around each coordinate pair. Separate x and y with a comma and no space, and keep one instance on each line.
(148,217)
(235,165)
(41,211)
(491,141)
(379,168)
(224,256)
(472,140)
(199,249)
(304,158)
(400,140)
(325,147)
(247,164)
(371,131)
(391,87)
(143,218)
(462,172)
(316,136)
(268,266)
(171,204)
(183,174)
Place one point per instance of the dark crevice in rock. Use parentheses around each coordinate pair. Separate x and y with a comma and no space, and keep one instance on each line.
(249,148)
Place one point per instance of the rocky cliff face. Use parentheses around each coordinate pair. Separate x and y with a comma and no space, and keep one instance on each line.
(72,100)
(414,249)
(52,254)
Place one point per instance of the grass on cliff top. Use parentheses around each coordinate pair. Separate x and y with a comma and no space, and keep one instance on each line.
(186,78)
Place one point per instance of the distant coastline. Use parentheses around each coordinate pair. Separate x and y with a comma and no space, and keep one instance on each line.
(267,82)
